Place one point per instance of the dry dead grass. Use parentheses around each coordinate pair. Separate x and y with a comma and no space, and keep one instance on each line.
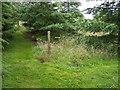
(92,34)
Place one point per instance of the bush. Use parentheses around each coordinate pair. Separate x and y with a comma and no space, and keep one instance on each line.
(102,42)
(97,26)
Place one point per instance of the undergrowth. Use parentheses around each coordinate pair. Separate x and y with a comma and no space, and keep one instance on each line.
(70,49)
(69,65)
(86,67)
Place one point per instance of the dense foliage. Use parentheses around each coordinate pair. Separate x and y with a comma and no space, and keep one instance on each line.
(108,12)
(106,17)
(97,26)
(59,18)
(9,19)
(45,16)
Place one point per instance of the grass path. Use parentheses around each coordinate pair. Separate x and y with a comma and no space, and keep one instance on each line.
(16,60)
(21,70)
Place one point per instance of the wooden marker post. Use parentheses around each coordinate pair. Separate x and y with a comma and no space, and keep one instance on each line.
(49,48)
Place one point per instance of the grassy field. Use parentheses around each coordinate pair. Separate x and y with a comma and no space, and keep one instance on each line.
(69,66)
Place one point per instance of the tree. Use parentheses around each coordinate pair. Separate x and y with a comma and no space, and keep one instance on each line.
(8,15)
(69,6)
(44,16)
(9,19)
(108,12)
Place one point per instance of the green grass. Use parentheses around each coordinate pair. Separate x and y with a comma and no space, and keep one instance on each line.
(68,66)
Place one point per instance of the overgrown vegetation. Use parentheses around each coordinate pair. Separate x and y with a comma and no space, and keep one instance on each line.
(68,66)
(41,17)
(9,19)
(83,52)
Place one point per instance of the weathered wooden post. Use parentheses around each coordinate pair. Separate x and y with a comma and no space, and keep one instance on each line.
(49,47)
